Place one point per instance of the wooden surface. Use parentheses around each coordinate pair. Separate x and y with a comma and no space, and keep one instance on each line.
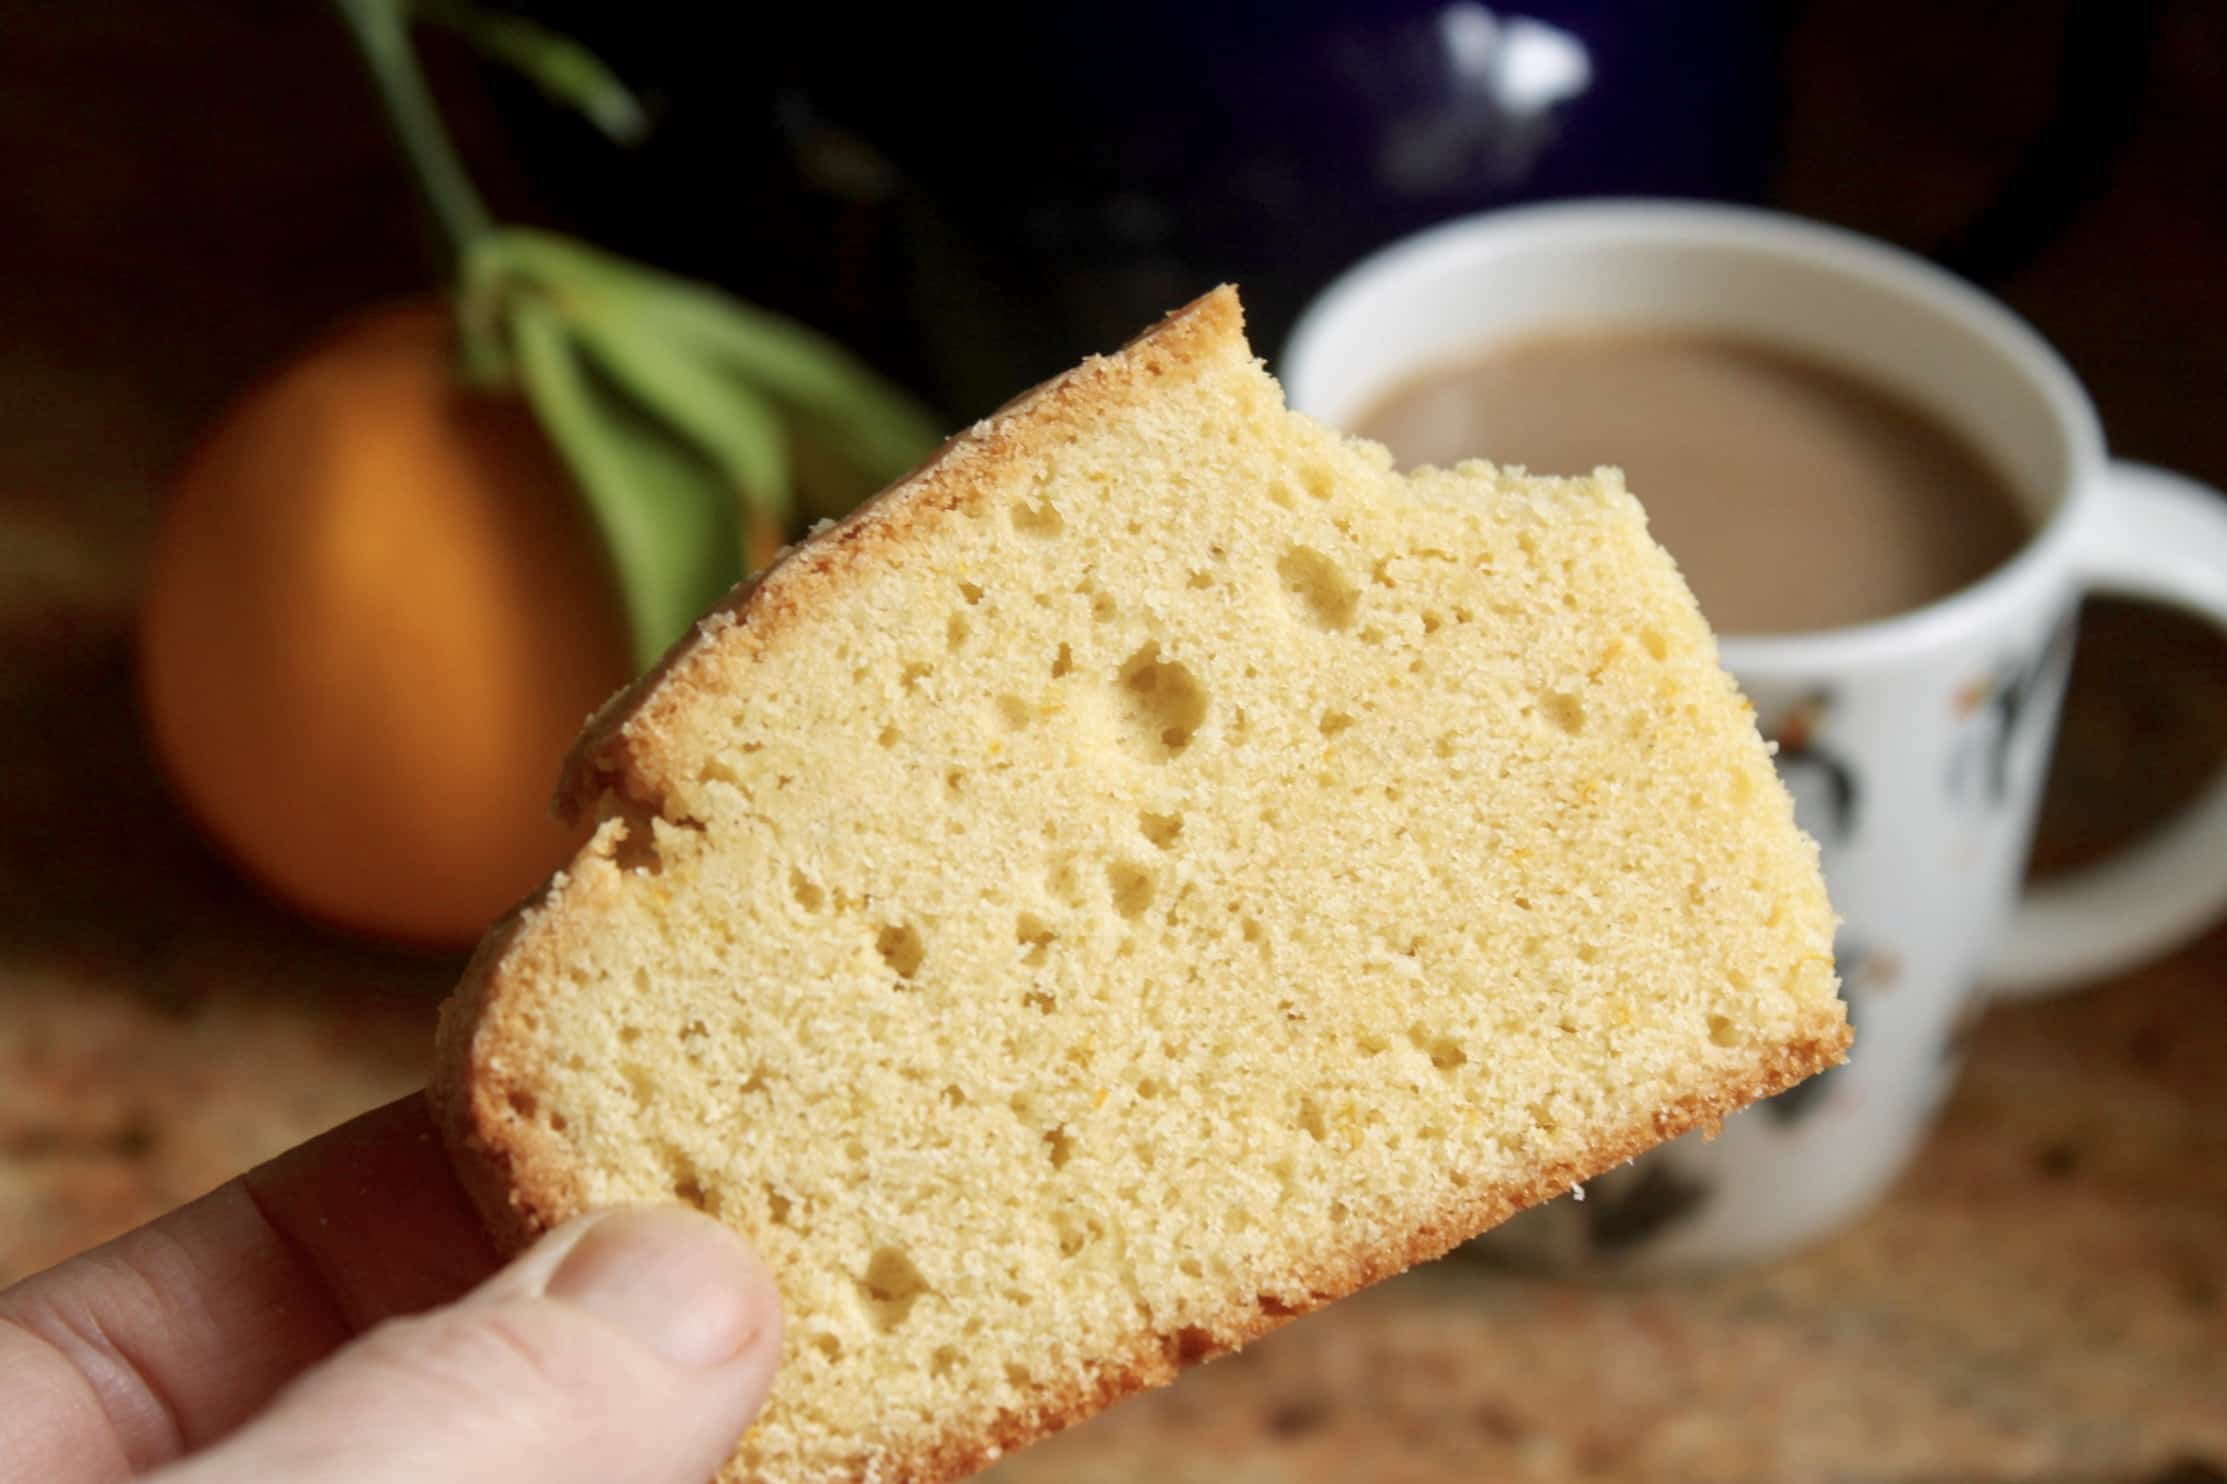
(2044,1295)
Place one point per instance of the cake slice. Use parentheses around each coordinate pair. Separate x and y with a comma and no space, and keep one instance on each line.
(1152,871)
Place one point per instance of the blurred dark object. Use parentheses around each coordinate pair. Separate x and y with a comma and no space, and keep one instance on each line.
(976,198)
(2102,65)
(2145,723)
(975,201)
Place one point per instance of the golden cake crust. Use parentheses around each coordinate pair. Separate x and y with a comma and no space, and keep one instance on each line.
(516,1170)
(520,1185)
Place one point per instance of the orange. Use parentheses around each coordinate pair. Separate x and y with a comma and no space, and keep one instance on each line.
(377,616)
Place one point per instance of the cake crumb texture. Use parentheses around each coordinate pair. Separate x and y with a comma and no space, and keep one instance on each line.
(1153,871)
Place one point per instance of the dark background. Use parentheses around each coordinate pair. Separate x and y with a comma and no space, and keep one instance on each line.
(194,191)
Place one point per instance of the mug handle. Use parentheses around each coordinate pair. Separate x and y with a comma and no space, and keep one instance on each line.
(2162,538)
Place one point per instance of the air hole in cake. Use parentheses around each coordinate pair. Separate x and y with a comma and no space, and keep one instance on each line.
(913,673)
(1311,1120)
(1321,592)
(1320,480)
(637,848)
(972,592)
(1333,722)
(1017,1375)
(892,1285)
(1014,712)
(641,1084)
(807,892)
(629,1034)
(1132,887)
(1654,643)
(1160,829)
(1280,495)
(1198,581)
(686,1180)
(1723,1032)
(1189,1267)
(522,1102)
(828,1346)
(778,1207)
(900,947)
(944,1361)
(718,771)
(1164,703)
(1444,746)
(888,737)
(1063,881)
(1040,518)
(1149,1088)
(1063,663)
(954,780)
(1035,937)
(955,630)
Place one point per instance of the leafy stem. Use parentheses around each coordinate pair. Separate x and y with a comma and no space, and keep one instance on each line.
(382,32)
(680,411)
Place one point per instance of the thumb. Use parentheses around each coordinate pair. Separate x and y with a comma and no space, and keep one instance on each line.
(627,1347)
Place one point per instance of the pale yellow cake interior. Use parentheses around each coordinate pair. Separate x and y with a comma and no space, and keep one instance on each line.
(1133,900)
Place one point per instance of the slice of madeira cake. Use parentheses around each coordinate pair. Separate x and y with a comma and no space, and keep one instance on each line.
(1149,873)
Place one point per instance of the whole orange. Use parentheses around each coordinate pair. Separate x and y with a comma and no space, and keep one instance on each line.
(377,615)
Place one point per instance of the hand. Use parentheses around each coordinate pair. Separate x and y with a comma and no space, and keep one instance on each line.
(255,1335)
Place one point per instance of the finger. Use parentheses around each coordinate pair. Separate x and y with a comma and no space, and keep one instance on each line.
(374,1210)
(169,1336)
(631,1345)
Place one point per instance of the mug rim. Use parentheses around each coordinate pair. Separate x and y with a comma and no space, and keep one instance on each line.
(1824,248)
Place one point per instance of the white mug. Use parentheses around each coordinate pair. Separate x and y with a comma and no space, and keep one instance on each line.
(1915,746)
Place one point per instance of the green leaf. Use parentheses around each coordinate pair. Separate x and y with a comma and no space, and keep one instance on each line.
(665,514)
(868,420)
(730,425)
(566,72)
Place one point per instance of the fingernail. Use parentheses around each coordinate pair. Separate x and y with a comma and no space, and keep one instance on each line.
(672,1280)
